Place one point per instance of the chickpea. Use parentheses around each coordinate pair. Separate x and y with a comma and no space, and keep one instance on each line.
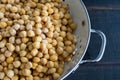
(36,13)
(44,13)
(10,73)
(48,24)
(22,53)
(2,44)
(34,65)
(36,45)
(28,65)
(59,50)
(16,71)
(6,78)
(45,42)
(38,31)
(15,77)
(46,56)
(17,48)
(50,11)
(63,34)
(38,25)
(16,64)
(38,39)
(56,16)
(50,64)
(52,51)
(51,70)
(43,46)
(29,77)
(59,38)
(61,44)
(39,68)
(50,34)
(30,47)
(65,54)
(22,79)
(36,78)
(9,59)
(64,22)
(68,43)
(13,9)
(3,25)
(22,12)
(30,33)
(18,41)
(10,47)
(26,72)
(29,26)
(45,30)
(36,59)
(16,26)
(54,58)
(43,61)
(43,36)
(22,27)
(8,53)
(4,65)
(20,21)
(1,68)
(68,59)
(25,17)
(54,42)
(17,1)
(40,54)
(29,56)
(12,31)
(44,69)
(69,49)
(56,76)
(11,1)
(49,46)
(23,34)
(34,52)
(1,15)
(24,59)
(2,75)
(25,40)
(60,71)
(35,73)
(56,34)
(1,37)
(10,66)
(49,40)
(37,19)
(73,26)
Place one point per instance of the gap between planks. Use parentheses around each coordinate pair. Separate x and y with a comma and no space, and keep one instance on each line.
(103,8)
(101,64)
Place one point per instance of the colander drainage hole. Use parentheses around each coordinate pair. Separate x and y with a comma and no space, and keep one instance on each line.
(83,23)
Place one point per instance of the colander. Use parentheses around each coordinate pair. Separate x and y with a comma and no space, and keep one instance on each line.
(83,32)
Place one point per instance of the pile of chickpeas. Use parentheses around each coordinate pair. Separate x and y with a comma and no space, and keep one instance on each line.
(36,39)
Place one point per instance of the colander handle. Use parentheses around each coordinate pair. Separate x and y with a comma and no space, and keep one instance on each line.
(101,53)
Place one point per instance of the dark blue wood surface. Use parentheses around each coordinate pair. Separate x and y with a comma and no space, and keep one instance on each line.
(105,16)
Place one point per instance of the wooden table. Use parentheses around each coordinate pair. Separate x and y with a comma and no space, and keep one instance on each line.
(105,16)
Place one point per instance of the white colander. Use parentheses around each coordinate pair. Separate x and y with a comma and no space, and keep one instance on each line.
(83,33)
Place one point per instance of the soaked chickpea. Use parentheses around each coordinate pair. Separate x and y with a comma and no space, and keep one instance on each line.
(35,40)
